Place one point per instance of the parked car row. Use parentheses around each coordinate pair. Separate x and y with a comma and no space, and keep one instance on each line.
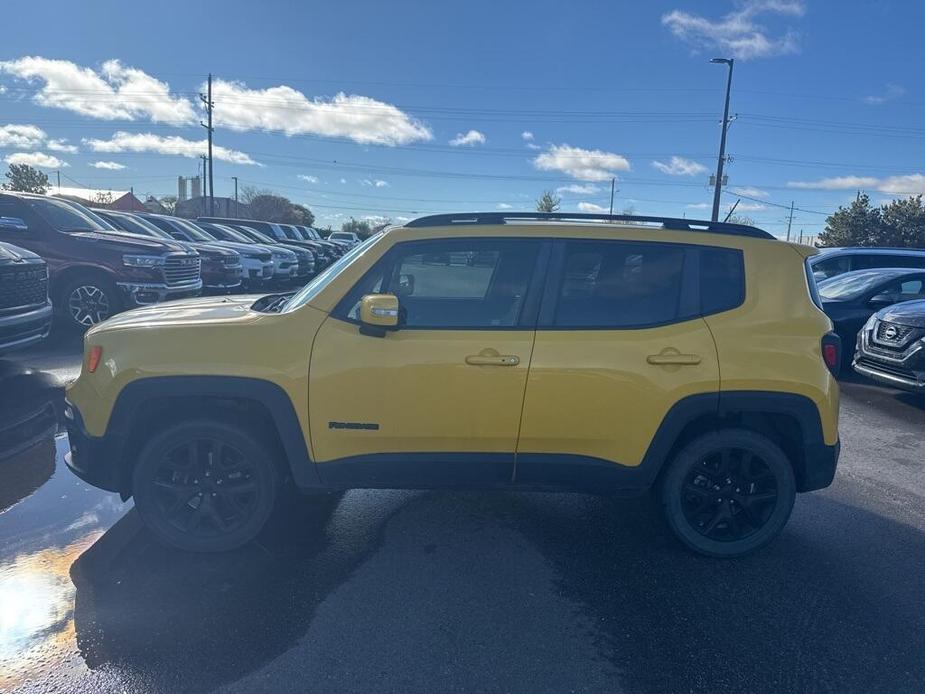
(61,259)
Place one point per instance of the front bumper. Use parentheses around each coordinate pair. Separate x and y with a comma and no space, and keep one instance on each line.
(92,459)
(21,330)
(142,294)
(901,366)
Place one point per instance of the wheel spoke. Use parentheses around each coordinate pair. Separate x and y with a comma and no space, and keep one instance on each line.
(718,517)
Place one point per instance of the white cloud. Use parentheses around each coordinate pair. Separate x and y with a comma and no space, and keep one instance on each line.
(897,185)
(375,183)
(24,136)
(61,146)
(679,166)
(37,159)
(748,207)
(749,191)
(282,108)
(343,180)
(113,92)
(591,207)
(473,137)
(582,164)
(2,89)
(699,206)
(504,206)
(892,92)
(527,136)
(579,189)
(173,145)
(111,165)
(309,179)
(738,33)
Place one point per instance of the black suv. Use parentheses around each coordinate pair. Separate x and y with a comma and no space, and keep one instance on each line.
(25,311)
(891,347)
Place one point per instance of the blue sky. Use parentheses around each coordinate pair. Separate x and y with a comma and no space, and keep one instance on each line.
(404,108)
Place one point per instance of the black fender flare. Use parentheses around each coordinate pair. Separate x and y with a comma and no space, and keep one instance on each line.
(268,394)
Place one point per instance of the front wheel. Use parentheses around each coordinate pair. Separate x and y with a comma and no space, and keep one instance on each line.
(86,301)
(728,492)
(205,486)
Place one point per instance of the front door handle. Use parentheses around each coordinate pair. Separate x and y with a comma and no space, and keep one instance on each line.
(672,357)
(490,357)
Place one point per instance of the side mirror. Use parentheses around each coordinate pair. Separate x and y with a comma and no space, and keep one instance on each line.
(405,285)
(883,300)
(378,313)
(13,224)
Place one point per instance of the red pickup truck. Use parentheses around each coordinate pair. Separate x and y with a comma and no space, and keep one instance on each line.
(94,273)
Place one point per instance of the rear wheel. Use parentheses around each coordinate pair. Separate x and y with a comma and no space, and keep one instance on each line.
(205,486)
(729,492)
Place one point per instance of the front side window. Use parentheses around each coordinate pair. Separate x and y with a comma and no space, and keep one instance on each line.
(63,216)
(616,284)
(453,283)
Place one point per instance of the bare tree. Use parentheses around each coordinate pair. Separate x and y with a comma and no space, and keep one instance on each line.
(548,202)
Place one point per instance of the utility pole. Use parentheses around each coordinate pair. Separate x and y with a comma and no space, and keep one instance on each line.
(205,183)
(235,196)
(207,100)
(722,140)
(790,221)
(59,180)
(612,183)
(731,210)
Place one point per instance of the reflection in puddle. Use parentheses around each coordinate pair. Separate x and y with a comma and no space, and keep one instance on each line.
(48,518)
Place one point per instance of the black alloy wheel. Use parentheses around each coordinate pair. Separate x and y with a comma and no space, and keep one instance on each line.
(728,492)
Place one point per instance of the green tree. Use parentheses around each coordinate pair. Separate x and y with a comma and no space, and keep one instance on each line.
(859,224)
(548,202)
(903,223)
(25,179)
(360,227)
(305,215)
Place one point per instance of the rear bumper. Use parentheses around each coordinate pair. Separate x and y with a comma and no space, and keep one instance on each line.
(21,330)
(92,459)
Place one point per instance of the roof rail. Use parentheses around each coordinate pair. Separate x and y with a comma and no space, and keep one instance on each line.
(673,223)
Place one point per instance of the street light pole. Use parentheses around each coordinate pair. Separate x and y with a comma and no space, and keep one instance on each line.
(722,141)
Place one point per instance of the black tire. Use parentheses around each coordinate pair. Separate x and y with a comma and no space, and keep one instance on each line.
(205,485)
(728,493)
(86,300)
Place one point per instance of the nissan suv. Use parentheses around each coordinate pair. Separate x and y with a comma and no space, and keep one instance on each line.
(94,273)
(589,353)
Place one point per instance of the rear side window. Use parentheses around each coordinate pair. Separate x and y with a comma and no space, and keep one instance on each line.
(722,280)
(617,284)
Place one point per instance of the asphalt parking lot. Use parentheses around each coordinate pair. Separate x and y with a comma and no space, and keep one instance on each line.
(497,592)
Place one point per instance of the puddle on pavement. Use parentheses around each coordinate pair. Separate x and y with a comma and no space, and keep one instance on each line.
(48,518)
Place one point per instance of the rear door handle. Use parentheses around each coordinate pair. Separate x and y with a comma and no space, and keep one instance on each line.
(669,357)
(492,358)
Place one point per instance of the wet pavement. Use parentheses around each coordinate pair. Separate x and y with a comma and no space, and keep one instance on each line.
(426,591)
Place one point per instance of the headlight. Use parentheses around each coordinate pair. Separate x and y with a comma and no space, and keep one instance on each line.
(278,256)
(143,260)
(232,260)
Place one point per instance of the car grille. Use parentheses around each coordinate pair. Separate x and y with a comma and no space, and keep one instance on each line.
(181,269)
(893,333)
(891,369)
(23,285)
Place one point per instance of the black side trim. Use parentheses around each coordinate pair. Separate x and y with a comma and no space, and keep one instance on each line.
(418,471)
(268,394)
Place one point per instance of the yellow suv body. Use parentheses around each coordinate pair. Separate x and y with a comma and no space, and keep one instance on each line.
(482,351)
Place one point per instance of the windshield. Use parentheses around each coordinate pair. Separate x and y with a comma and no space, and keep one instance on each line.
(137,225)
(311,290)
(257,235)
(193,230)
(342,236)
(68,216)
(231,234)
(852,285)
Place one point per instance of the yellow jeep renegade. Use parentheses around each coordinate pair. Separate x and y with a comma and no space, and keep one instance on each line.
(586,353)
